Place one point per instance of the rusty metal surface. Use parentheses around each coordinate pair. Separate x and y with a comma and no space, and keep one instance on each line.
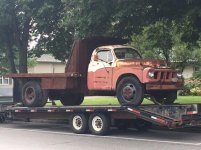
(38,75)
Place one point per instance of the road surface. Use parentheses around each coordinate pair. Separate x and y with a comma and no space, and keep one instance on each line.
(52,136)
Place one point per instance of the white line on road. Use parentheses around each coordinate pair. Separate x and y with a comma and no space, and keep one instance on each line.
(109,137)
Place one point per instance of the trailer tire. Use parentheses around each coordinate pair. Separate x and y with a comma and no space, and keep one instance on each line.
(33,95)
(72,99)
(130,91)
(99,124)
(79,123)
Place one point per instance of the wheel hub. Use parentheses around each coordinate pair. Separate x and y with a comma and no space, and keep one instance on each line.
(97,123)
(30,94)
(128,91)
(77,122)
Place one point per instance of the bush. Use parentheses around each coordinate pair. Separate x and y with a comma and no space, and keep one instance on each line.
(186,91)
(192,87)
(196,91)
(197,75)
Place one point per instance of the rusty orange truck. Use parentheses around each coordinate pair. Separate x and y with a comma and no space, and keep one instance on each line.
(103,66)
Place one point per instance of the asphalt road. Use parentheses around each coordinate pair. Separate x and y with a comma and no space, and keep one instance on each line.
(51,136)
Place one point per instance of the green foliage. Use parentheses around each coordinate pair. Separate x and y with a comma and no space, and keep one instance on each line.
(87,18)
(197,74)
(164,40)
(53,38)
(165,29)
(161,43)
(192,87)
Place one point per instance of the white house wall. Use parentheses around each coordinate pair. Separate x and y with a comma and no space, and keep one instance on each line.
(45,67)
(188,71)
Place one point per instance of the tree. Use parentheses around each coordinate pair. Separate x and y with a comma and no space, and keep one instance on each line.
(54,24)
(15,30)
(19,21)
(157,37)
(53,37)
(166,40)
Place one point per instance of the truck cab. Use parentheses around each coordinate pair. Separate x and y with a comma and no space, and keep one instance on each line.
(121,70)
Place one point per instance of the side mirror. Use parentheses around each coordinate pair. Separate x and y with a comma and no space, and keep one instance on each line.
(95,57)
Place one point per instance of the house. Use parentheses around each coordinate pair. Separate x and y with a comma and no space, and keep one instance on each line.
(47,64)
(6,90)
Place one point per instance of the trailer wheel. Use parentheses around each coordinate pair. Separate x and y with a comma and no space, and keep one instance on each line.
(99,124)
(165,97)
(72,99)
(79,123)
(130,92)
(33,95)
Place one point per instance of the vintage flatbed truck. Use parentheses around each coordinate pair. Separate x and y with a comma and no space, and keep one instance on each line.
(99,119)
(101,66)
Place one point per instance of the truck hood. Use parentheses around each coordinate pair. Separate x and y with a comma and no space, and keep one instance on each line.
(155,63)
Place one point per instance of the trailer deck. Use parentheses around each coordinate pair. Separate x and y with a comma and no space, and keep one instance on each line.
(98,119)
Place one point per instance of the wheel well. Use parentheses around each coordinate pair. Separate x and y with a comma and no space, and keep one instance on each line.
(126,75)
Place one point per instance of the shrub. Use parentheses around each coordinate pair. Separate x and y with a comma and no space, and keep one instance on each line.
(196,91)
(191,87)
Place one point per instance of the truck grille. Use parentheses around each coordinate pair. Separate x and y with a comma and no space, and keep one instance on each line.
(164,75)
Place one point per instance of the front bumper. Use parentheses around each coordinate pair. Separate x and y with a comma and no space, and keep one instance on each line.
(164,86)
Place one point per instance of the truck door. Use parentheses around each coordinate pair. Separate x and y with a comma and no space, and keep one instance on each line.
(101,71)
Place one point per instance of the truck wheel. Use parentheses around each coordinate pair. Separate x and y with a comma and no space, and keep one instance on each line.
(130,91)
(72,99)
(79,123)
(33,95)
(166,97)
(99,124)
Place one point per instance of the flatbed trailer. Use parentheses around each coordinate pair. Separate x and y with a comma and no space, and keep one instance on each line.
(99,119)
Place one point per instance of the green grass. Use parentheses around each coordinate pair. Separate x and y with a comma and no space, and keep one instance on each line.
(188,99)
(114,101)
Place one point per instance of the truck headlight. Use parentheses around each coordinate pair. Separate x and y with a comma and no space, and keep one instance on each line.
(151,73)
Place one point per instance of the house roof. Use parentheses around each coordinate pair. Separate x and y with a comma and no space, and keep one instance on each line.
(47,58)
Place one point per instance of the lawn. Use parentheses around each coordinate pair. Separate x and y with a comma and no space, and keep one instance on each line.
(114,101)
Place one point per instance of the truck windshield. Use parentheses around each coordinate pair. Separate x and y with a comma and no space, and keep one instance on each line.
(126,53)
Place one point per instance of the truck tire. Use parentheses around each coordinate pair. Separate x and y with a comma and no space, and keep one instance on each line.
(72,99)
(79,123)
(130,92)
(99,124)
(165,97)
(33,95)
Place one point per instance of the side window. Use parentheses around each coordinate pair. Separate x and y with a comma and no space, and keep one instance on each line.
(105,55)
